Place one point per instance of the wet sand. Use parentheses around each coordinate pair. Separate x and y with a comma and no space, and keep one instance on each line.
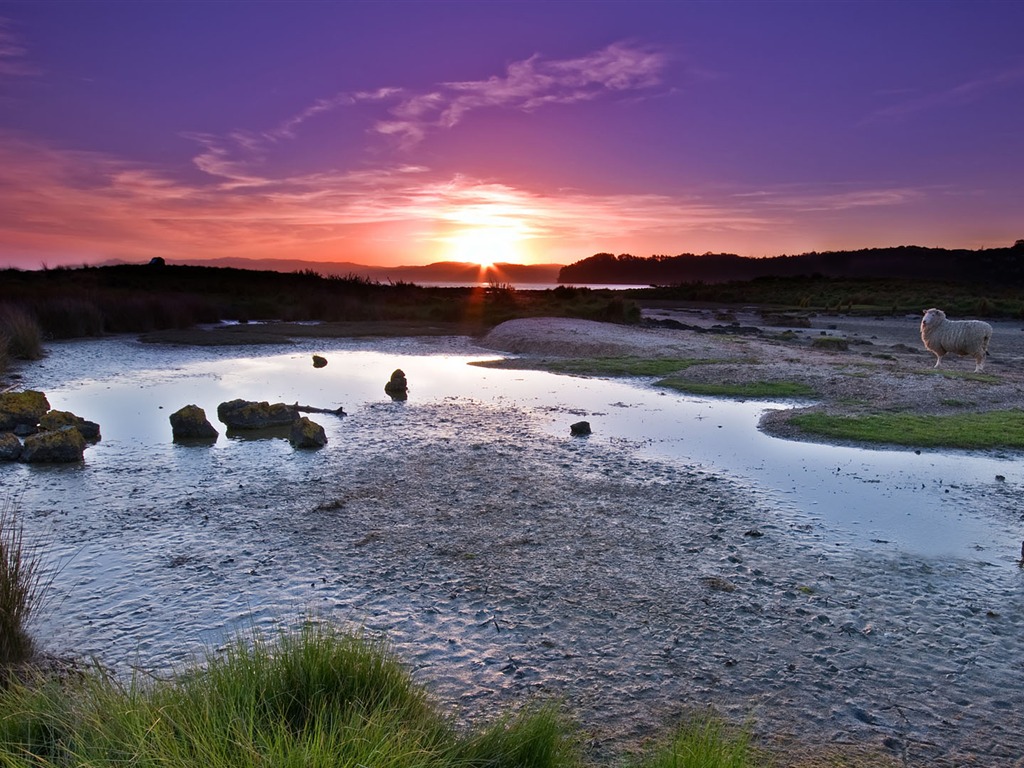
(505,563)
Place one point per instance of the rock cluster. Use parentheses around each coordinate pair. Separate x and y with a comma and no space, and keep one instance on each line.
(247,415)
(31,432)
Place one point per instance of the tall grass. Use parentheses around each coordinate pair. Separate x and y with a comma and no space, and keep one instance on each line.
(20,333)
(311,698)
(23,584)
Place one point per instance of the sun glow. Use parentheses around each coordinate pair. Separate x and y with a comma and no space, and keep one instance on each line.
(485,246)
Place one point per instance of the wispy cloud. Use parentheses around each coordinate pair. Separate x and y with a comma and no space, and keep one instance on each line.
(526,86)
(14,60)
(831,197)
(962,93)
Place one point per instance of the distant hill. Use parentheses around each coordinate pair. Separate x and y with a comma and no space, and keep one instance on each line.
(438,272)
(992,265)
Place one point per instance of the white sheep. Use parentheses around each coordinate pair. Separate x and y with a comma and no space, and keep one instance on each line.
(961,337)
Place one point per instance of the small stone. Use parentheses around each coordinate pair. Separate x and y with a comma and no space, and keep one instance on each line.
(319,362)
(580,428)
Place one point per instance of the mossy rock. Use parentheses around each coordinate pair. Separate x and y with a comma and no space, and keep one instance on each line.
(246,414)
(307,434)
(10,447)
(190,423)
(56,419)
(22,409)
(60,446)
(833,343)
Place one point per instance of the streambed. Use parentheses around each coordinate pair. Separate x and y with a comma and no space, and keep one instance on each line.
(675,558)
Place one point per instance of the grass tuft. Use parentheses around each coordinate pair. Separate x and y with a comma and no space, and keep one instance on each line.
(23,584)
(703,742)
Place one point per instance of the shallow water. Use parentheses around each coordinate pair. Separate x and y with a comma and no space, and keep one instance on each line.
(495,551)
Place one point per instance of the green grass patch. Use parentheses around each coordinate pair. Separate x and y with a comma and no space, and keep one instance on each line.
(993,429)
(312,698)
(754,389)
(703,742)
(985,378)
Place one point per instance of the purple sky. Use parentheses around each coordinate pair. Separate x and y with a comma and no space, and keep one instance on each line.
(401,133)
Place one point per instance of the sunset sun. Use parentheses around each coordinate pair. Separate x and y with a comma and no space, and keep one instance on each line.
(485,246)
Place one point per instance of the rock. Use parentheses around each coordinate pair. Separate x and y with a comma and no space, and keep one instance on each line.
(10,447)
(56,419)
(22,410)
(190,423)
(247,414)
(63,445)
(397,387)
(319,362)
(580,428)
(307,434)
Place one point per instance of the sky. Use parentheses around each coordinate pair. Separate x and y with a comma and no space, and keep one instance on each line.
(401,133)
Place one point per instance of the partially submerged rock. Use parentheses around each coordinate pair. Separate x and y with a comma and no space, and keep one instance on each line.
(319,362)
(190,423)
(21,411)
(307,434)
(580,428)
(397,387)
(56,419)
(247,414)
(10,447)
(63,445)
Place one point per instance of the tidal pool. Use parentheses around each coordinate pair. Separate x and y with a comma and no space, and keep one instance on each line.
(934,503)
(503,556)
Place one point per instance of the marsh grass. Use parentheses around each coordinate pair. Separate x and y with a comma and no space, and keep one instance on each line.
(973,431)
(20,335)
(23,585)
(704,742)
(754,389)
(313,697)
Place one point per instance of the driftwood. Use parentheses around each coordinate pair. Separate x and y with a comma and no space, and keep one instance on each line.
(339,411)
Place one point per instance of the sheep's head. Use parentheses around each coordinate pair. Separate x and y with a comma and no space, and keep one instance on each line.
(932,317)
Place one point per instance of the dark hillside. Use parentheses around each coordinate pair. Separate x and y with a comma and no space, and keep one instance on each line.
(994,266)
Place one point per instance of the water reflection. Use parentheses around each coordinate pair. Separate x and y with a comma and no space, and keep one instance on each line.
(929,503)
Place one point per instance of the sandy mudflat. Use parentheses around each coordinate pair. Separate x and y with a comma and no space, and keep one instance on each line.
(884,367)
(505,563)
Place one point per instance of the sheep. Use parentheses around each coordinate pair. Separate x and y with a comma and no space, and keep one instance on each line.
(962,337)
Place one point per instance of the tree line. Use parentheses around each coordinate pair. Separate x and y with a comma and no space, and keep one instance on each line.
(1002,266)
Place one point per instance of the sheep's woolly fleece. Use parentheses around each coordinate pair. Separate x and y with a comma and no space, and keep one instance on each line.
(885,365)
(969,338)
